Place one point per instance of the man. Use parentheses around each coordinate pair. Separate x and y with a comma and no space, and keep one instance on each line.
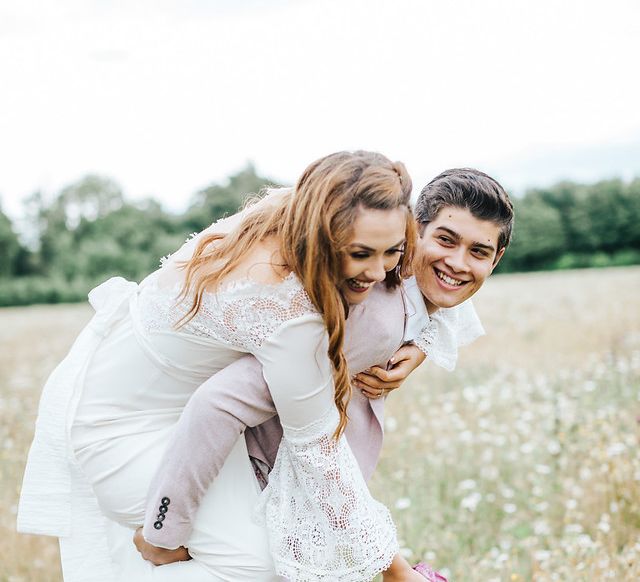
(464,221)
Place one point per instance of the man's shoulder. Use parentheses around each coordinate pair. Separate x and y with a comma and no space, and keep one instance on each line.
(381,303)
(382,294)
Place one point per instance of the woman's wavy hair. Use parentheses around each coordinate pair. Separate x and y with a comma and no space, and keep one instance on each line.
(314,225)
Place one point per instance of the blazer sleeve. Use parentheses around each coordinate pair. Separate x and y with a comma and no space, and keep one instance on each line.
(216,414)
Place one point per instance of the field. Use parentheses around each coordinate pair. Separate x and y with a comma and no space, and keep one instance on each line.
(522,465)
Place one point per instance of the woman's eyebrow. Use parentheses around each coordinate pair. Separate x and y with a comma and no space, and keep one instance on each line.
(366,248)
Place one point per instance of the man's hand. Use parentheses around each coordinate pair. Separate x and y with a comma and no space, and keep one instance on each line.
(378,382)
(159,556)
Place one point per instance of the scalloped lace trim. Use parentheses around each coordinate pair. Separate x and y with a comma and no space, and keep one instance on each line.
(446,331)
(427,337)
(243,313)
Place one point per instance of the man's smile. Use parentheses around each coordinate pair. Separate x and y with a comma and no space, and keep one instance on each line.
(448,279)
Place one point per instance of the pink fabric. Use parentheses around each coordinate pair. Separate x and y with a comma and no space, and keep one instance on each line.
(237,398)
(429,573)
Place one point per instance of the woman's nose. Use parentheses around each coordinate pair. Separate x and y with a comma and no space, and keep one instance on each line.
(376,271)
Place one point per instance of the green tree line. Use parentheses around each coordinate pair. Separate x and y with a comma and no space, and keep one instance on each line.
(89,232)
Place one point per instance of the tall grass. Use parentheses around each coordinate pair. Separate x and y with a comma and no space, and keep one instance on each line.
(520,466)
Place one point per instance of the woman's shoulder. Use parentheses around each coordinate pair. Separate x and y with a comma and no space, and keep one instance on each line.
(251,310)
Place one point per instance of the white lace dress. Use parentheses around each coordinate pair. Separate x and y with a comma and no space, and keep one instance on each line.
(122,389)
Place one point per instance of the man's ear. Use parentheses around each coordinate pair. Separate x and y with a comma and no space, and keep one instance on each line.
(497,259)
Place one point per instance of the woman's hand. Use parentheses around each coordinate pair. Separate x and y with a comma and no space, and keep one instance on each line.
(159,556)
(378,382)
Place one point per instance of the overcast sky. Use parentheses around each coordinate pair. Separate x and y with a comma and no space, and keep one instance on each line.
(166,96)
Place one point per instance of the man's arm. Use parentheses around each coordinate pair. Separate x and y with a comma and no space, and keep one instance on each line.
(217,413)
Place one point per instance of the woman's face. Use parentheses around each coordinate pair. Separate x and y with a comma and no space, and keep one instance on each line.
(375,248)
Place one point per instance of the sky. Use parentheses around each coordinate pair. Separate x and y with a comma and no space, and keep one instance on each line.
(167,96)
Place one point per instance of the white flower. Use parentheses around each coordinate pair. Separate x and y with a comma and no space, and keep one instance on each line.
(541,528)
(471,501)
(554,447)
(604,526)
(585,541)
(467,485)
(542,555)
(615,449)
(509,508)
(403,503)
(585,473)
(526,448)
(470,394)
(507,492)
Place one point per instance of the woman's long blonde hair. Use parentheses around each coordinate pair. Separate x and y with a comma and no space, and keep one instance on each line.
(314,225)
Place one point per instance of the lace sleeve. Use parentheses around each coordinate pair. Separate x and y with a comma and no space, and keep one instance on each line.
(322,522)
(323,525)
(446,331)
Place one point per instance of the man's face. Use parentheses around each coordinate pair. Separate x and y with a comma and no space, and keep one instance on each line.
(455,254)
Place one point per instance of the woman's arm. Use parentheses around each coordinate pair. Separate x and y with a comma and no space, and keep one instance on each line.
(318,511)
(377,382)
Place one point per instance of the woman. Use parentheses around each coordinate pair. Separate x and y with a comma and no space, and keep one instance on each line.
(277,286)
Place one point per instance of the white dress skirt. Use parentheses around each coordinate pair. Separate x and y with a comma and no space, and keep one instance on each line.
(130,403)
(109,409)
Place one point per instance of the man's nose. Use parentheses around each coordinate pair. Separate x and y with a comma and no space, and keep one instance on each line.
(456,260)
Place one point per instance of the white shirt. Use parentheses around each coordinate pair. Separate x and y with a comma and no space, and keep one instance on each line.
(440,335)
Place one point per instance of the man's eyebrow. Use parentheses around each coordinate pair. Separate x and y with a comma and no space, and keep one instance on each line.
(457,237)
(450,232)
(366,248)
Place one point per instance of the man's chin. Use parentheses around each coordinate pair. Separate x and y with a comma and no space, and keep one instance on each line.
(447,302)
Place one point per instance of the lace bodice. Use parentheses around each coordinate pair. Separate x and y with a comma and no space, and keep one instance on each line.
(243,313)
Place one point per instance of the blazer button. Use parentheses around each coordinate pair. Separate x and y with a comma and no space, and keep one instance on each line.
(157,525)
(165,501)
(163,509)
(161,517)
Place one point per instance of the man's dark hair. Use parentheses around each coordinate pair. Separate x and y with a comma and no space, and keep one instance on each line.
(467,188)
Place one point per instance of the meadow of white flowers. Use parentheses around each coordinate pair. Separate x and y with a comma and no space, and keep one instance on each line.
(522,465)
